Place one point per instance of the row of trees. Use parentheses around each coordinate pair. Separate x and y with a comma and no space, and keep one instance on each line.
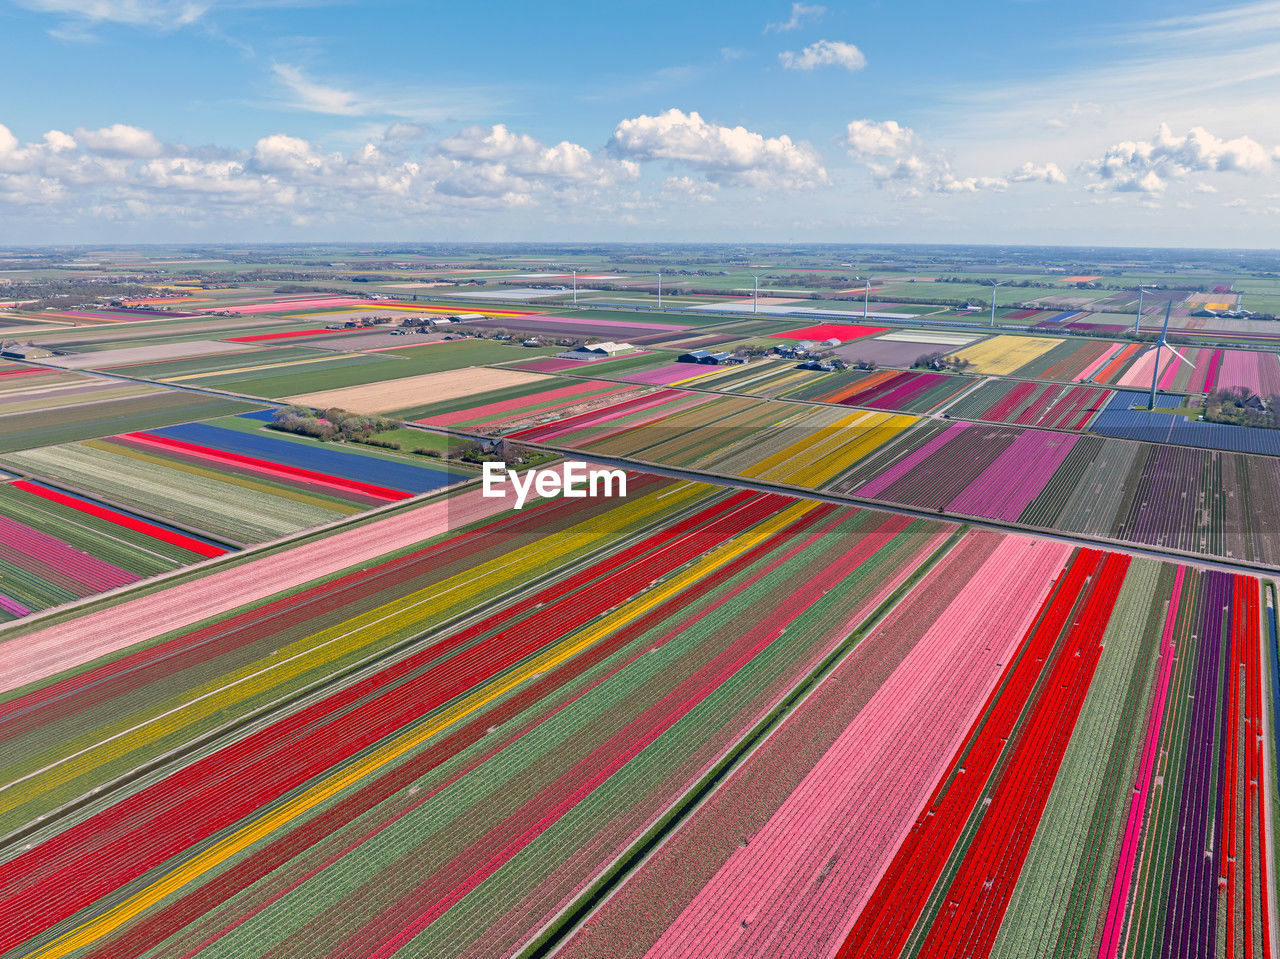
(343,426)
(332,424)
(941,361)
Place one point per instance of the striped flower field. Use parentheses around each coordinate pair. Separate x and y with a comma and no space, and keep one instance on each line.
(1191,500)
(1054,479)
(764,377)
(1021,822)
(237,484)
(56,547)
(489,732)
(1026,403)
(1006,354)
(911,391)
(800,444)
(876,661)
(528,406)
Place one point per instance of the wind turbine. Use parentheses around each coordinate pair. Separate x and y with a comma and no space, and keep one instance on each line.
(1163,342)
(755,294)
(1138,319)
(994,284)
(866,298)
(575,287)
(659,289)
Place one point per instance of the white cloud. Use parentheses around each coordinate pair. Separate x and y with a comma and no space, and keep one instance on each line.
(688,189)
(399,132)
(866,138)
(157,14)
(522,155)
(801,13)
(1217,69)
(1145,166)
(120,140)
(122,172)
(894,156)
(305,93)
(1204,188)
(280,153)
(57,141)
(78,18)
(315,97)
(1038,173)
(8,142)
(35,157)
(730,155)
(824,53)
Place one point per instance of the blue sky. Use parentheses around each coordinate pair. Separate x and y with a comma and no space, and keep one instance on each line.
(1020,122)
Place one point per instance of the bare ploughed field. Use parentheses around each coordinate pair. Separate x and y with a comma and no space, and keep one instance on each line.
(418,390)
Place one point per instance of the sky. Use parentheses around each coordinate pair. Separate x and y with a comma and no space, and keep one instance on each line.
(992,121)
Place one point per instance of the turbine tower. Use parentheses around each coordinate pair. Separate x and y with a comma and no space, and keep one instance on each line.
(1163,343)
(575,287)
(994,284)
(659,289)
(866,298)
(755,294)
(1138,319)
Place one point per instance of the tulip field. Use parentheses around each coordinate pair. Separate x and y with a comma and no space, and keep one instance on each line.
(566,727)
(763,378)
(799,444)
(56,547)
(1054,794)
(911,391)
(1027,403)
(1032,467)
(1070,361)
(524,406)
(919,639)
(610,674)
(1179,498)
(1005,354)
(234,485)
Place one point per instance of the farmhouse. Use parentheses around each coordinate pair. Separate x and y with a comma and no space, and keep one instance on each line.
(705,357)
(597,351)
(13,351)
(609,348)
